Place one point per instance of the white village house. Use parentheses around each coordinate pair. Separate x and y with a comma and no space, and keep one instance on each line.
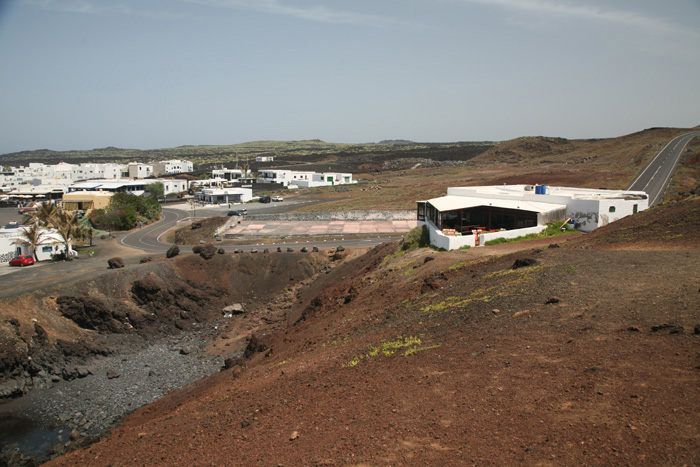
(224,195)
(305,179)
(470,216)
(51,244)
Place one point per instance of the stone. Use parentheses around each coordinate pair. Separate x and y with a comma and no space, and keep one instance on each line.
(145,259)
(111,374)
(340,248)
(185,351)
(304,249)
(74,435)
(524,262)
(552,300)
(235,309)
(69,374)
(83,371)
(315,249)
(115,263)
(266,250)
(208,251)
(221,251)
(290,249)
(172,251)
(294,435)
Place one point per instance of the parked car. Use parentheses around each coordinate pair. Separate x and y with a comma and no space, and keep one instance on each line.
(239,212)
(264,199)
(277,198)
(26,210)
(22,260)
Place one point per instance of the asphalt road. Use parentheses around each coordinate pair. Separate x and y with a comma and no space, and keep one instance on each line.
(655,177)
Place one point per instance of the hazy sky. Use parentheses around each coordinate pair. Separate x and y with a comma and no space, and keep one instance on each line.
(83,74)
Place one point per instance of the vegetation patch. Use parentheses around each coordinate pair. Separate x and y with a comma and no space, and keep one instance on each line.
(411,344)
(553,229)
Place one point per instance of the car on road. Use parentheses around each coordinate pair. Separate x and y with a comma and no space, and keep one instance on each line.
(264,199)
(277,198)
(239,212)
(26,210)
(22,260)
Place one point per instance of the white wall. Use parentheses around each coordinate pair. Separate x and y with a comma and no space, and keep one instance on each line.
(486,236)
(447,242)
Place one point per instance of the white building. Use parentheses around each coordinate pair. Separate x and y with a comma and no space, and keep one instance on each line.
(264,158)
(470,216)
(134,187)
(228,175)
(171,167)
(304,179)
(50,245)
(224,195)
(137,170)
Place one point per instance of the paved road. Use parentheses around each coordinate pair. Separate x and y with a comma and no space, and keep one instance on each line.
(655,177)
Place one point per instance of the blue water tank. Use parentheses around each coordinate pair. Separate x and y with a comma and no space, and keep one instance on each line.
(543,190)
(538,190)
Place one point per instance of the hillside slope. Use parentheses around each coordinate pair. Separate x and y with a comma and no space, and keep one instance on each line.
(570,355)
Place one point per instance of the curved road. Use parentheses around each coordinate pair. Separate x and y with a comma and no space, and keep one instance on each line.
(655,177)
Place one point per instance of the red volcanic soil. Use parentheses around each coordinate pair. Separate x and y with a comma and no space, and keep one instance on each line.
(585,353)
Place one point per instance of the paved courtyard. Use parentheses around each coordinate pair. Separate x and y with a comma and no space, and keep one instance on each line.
(279,229)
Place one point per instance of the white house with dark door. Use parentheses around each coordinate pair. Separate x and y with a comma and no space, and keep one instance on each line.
(51,244)
(303,179)
(224,195)
(470,216)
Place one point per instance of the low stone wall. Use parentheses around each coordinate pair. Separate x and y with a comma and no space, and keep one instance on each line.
(326,216)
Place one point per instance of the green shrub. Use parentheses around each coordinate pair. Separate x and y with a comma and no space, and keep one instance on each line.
(416,238)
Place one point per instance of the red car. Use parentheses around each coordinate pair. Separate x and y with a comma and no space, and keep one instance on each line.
(22,260)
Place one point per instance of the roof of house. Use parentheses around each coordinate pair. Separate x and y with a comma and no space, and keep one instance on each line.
(453,203)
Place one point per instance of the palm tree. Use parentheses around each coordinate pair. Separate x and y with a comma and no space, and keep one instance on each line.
(69,229)
(45,214)
(31,238)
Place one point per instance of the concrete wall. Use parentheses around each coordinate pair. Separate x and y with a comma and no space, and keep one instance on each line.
(365,215)
(447,242)
(485,237)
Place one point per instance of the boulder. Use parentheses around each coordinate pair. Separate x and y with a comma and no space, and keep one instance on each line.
(115,263)
(221,251)
(208,251)
(304,249)
(196,249)
(145,259)
(235,309)
(315,249)
(340,248)
(172,251)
